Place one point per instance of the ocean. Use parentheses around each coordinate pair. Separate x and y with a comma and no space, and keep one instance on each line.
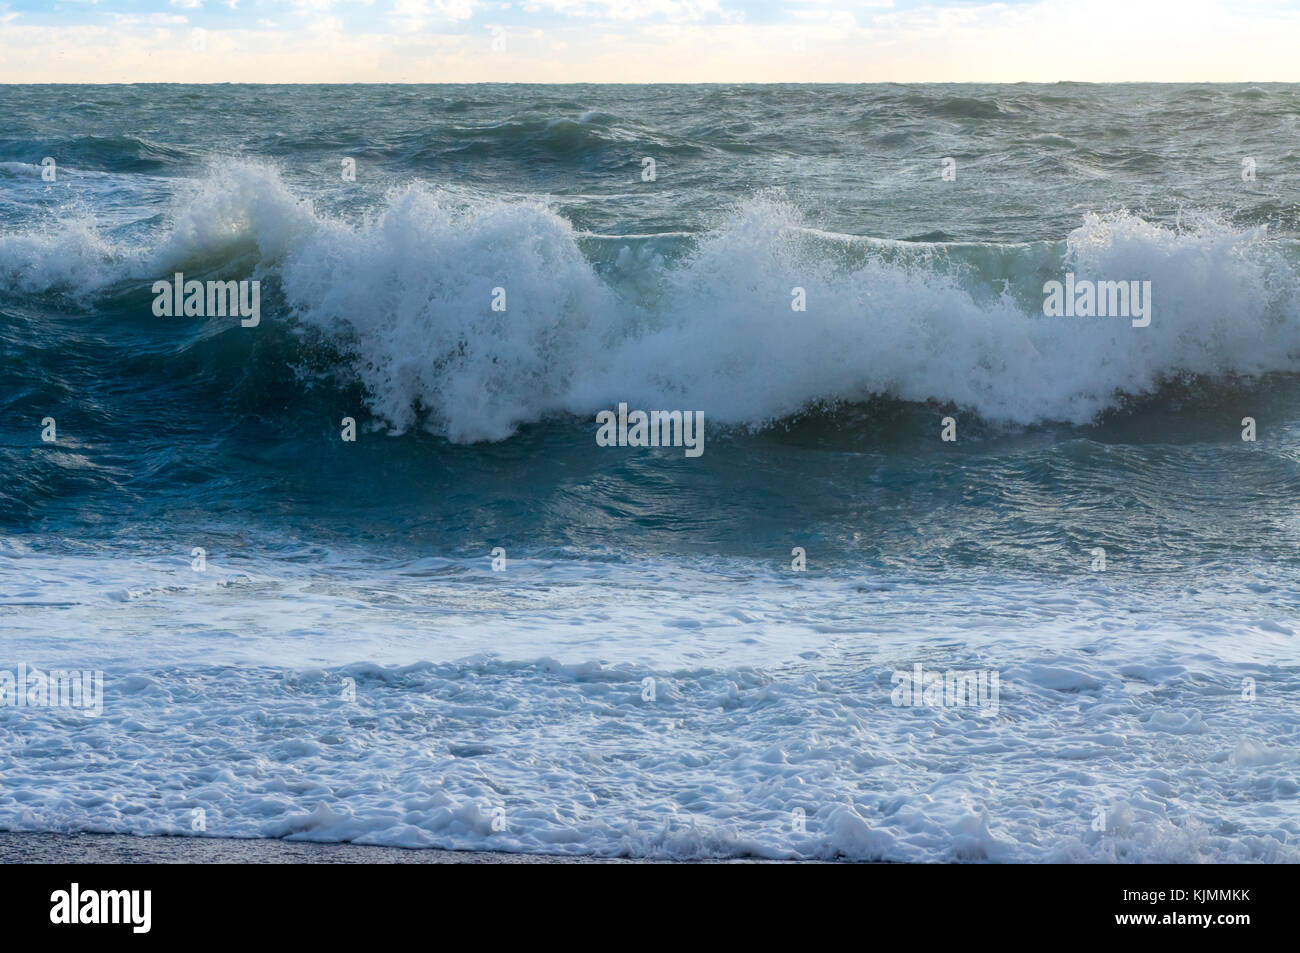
(360,570)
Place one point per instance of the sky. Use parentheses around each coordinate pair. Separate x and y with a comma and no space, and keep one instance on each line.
(648,41)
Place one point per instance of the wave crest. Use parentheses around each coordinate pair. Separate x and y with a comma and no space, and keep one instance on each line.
(406,297)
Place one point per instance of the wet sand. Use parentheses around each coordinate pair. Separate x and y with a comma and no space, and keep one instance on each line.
(28,848)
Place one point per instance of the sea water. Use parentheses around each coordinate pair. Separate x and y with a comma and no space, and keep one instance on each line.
(955,578)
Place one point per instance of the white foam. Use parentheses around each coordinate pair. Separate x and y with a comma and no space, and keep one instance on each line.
(771,730)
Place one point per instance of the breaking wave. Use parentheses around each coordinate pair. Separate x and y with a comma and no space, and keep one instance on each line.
(404,299)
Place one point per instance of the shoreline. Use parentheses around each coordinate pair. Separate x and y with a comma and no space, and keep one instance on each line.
(22,847)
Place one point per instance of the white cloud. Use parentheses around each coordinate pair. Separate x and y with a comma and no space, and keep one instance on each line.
(417,14)
(677,11)
(456,9)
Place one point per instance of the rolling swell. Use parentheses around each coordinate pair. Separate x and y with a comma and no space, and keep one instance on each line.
(120,153)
